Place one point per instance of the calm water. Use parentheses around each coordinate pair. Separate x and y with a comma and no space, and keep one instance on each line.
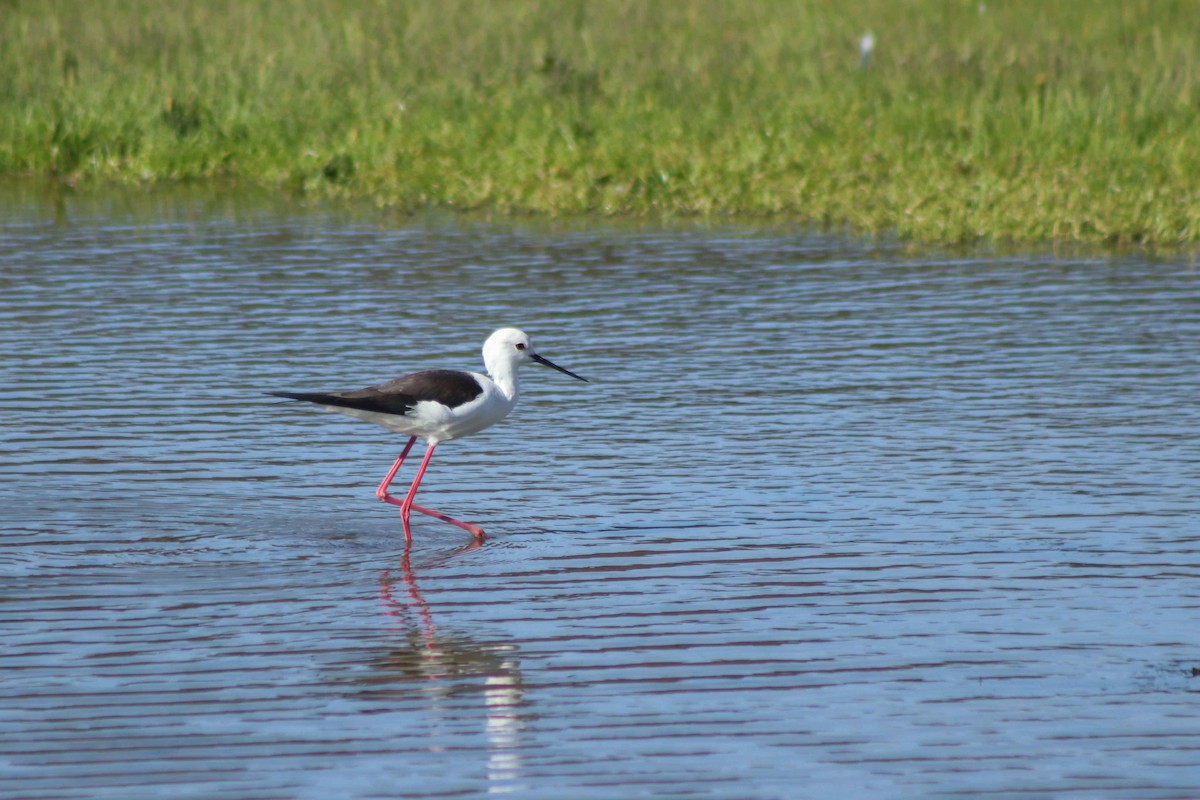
(830,521)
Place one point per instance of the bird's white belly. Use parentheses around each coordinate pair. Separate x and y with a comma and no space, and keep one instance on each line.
(438,422)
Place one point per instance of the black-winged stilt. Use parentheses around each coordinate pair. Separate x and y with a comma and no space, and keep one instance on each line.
(438,405)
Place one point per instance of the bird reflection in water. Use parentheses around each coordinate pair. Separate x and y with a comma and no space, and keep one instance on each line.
(453,669)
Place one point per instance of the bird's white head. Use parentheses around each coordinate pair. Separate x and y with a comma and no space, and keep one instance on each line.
(508,348)
(508,344)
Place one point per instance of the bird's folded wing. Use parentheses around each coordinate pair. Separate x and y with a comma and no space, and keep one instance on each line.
(449,387)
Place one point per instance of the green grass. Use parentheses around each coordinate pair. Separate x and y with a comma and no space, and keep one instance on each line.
(1020,121)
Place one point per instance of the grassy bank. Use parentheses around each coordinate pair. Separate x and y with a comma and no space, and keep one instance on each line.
(1019,121)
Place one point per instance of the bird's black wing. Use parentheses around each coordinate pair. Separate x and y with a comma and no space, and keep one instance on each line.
(397,397)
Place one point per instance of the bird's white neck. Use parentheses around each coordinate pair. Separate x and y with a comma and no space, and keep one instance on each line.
(505,378)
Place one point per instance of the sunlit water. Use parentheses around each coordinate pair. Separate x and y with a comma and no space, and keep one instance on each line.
(831,520)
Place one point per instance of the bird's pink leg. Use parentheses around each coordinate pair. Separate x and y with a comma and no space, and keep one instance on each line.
(474,530)
(382,492)
(407,504)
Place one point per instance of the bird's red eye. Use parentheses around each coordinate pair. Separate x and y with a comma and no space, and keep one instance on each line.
(520,345)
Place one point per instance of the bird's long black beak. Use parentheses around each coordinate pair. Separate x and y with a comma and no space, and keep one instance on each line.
(548,363)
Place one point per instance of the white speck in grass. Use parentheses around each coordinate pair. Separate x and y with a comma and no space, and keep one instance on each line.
(866,45)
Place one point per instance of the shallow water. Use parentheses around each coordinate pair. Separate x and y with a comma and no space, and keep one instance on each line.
(832,520)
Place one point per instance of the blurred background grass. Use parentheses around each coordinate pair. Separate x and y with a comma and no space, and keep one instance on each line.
(1013,121)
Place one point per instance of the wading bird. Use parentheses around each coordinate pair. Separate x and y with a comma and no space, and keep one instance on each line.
(438,405)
